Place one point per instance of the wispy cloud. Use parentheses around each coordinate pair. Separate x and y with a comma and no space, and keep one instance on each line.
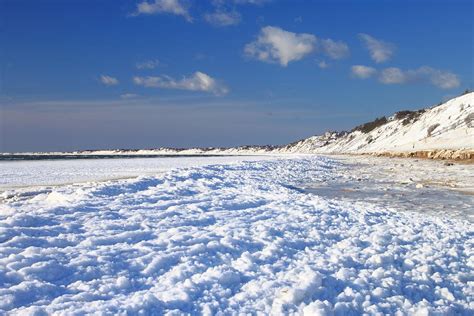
(199,81)
(442,79)
(380,51)
(298,19)
(256,2)
(334,49)
(323,64)
(393,75)
(127,96)
(439,78)
(276,45)
(362,72)
(223,18)
(225,13)
(176,7)
(148,64)
(108,80)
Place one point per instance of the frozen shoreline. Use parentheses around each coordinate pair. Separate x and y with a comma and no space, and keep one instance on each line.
(227,238)
(27,174)
(425,186)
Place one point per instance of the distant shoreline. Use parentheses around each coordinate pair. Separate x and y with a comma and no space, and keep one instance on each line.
(34,157)
(454,155)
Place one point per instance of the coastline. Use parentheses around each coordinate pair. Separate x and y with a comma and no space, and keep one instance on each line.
(454,155)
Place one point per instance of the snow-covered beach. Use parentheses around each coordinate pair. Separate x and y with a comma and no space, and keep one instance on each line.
(27,174)
(236,236)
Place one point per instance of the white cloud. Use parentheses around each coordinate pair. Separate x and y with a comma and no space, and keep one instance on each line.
(176,7)
(334,49)
(108,80)
(223,18)
(148,64)
(363,72)
(380,51)
(199,81)
(436,77)
(276,45)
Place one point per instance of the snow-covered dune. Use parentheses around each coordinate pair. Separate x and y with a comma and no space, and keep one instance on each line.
(446,126)
(228,239)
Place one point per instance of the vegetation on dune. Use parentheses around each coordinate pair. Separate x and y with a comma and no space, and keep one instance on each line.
(408,116)
(367,127)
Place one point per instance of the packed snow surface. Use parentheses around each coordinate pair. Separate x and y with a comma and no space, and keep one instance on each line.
(39,173)
(228,238)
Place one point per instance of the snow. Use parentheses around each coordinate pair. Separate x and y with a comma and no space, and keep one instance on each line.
(38,173)
(229,238)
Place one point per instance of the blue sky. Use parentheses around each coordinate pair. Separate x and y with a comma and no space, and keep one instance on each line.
(141,74)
